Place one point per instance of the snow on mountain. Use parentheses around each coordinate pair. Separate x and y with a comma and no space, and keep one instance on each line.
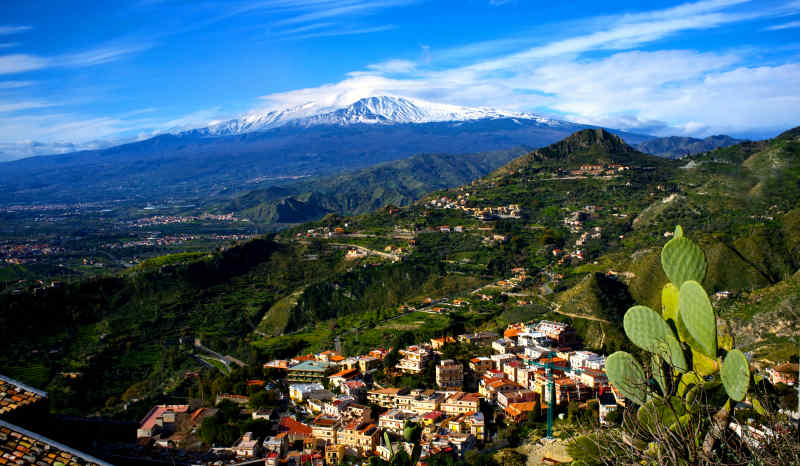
(371,110)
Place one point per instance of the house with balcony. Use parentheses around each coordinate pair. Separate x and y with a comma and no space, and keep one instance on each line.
(461,403)
(311,371)
(449,374)
(415,359)
(386,397)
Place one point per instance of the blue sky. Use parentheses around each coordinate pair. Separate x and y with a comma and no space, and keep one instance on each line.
(87,74)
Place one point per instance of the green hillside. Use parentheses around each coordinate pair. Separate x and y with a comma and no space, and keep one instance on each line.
(397,183)
(585,217)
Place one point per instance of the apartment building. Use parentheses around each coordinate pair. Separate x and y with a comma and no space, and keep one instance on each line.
(419,401)
(415,358)
(386,397)
(363,437)
(394,420)
(449,374)
(461,403)
(480,364)
(325,428)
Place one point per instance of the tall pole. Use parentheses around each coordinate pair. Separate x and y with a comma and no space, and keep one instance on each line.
(551,389)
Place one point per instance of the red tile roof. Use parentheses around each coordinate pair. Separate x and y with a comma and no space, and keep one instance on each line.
(295,427)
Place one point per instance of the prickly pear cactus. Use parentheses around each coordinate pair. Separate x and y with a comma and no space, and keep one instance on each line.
(693,337)
(683,260)
(696,317)
(645,328)
(735,374)
(627,375)
(669,302)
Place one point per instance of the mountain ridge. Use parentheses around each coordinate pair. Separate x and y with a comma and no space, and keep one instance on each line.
(678,147)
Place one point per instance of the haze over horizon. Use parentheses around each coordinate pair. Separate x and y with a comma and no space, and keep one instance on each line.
(91,75)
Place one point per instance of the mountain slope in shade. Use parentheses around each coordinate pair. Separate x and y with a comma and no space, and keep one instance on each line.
(676,147)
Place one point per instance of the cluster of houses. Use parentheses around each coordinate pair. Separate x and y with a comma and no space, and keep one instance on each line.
(337,411)
(609,169)
(481,213)
(341,413)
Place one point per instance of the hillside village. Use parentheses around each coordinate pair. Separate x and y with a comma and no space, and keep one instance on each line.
(328,408)
(475,314)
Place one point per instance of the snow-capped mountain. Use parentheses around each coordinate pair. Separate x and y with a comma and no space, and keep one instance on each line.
(384,110)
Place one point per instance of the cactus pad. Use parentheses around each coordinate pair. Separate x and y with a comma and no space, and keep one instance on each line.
(683,260)
(625,373)
(669,302)
(696,317)
(735,375)
(660,412)
(645,328)
(657,367)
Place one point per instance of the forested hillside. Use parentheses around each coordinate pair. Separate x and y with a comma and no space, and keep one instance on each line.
(585,218)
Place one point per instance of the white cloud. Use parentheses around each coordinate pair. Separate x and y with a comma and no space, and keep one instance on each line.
(789,25)
(20,63)
(8,30)
(658,91)
(340,32)
(15,84)
(326,10)
(193,120)
(100,55)
(393,66)
(10,107)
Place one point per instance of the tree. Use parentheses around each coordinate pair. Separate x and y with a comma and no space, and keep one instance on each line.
(263,399)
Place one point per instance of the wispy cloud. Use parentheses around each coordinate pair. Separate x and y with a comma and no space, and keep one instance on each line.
(393,66)
(10,107)
(15,84)
(341,32)
(100,55)
(19,63)
(789,25)
(8,30)
(8,45)
(344,9)
(306,28)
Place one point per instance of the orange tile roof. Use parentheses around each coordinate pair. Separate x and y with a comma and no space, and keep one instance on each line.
(346,373)
(150,419)
(519,408)
(294,427)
